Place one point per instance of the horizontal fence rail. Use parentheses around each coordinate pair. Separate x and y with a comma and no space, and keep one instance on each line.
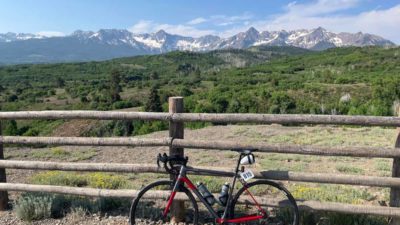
(84,114)
(303,205)
(378,152)
(288,119)
(87,141)
(208,117)
(215,171)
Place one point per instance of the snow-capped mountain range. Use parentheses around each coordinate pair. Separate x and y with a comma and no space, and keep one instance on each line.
(119,43)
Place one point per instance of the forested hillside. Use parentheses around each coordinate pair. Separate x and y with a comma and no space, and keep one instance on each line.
(352,80)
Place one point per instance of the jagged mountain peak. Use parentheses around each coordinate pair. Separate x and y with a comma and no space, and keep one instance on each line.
(161,32)
(161,35)
(319,29)
(121,40)
(252,30)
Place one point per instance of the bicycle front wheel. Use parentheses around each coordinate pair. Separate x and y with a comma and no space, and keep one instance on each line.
(149,205)
(268,198)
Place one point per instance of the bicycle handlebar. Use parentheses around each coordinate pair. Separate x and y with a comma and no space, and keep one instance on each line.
(170,162)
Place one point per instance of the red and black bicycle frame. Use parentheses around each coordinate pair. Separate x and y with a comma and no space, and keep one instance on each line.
(182,179)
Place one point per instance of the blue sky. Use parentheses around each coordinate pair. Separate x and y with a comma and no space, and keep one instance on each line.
(200,17)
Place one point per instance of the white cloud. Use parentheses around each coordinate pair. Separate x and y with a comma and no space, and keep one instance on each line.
(223,20)
(50,33)
(189,28)
(331,15)
(328,14)
(320,7)
(147,26)
(142,26)
(197,21)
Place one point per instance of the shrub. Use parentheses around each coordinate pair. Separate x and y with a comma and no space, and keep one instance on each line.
(34,206)
(94,180)
(123,104)
(11,128)
(108,181)
(12,98)
(38,206)
(60,178)
(31,206)
(332,193)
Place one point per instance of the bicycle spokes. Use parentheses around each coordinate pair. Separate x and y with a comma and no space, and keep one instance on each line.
(153,207)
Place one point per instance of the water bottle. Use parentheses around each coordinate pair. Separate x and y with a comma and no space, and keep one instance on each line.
(206,193)
(223,196)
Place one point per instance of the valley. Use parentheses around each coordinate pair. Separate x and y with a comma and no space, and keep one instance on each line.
(348,81)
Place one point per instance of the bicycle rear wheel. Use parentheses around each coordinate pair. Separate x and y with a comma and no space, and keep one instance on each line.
(278,204)
(149,205)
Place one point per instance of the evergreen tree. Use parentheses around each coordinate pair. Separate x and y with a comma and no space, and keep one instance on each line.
(60,82)
(153,104)
(197,72)
(185,91)
(115,87)
(11,128)
(154,75)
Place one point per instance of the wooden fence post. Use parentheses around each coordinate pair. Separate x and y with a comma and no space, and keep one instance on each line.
(395,192)
(3,179)
(176,130)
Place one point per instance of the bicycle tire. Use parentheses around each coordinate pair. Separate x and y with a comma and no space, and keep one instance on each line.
(136,203)
(263,185)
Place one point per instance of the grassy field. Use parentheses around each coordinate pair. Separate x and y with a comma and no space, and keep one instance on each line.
(310,135)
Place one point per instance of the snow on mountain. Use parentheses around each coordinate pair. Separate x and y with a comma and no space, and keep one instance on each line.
(162,41)
(112,43)
(241,40)
(9,37)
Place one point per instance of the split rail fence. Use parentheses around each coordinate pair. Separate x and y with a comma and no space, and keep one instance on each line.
(177,143)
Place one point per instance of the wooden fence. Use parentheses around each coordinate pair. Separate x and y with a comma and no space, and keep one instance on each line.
(177,143)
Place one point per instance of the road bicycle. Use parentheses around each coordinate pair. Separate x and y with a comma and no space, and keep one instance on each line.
(258,202)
